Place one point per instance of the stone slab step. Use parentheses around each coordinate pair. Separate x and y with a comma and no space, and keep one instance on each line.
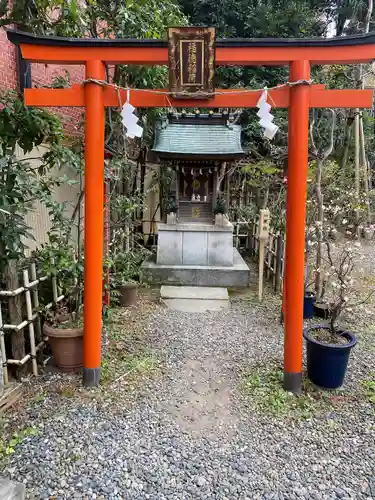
(193,292)
(196,305)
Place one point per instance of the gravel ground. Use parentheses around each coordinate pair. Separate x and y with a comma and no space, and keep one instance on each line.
(191,433)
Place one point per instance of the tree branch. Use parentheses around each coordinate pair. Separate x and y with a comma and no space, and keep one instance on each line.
(314,151)
(329,149)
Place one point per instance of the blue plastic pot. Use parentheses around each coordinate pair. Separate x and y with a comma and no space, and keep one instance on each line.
(308,305)
(327,363)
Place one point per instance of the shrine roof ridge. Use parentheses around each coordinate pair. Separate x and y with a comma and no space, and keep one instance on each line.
(22,37)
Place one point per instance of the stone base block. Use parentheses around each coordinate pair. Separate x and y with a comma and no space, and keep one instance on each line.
(237,275)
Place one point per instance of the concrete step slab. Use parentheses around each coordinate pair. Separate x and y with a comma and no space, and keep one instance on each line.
(193,292)
(9,490)
(196,305)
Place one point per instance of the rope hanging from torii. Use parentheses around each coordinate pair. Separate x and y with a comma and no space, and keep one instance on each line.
(129,119)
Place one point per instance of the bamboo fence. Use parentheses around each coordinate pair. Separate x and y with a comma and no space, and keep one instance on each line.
(32,322)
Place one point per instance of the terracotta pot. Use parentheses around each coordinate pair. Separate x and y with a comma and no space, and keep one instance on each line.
(66,345)
(128,294)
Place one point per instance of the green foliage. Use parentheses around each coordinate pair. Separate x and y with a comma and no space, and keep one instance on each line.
(61,257)
(100,18)
(253,19)
(127,358)
(125,264)
(221,206)
(261,172)
(262,385)
(162,178)
(9,447)
(22,184)
(25,127)
(369,386)
(141,366)
(171,206)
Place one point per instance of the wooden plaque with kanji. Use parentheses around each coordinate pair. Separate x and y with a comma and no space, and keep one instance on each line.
(191,62)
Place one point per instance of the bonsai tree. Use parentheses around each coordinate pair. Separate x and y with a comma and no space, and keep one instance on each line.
(329,345)
(339,278)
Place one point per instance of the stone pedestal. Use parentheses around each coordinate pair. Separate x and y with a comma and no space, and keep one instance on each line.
(196,254)
(195,244)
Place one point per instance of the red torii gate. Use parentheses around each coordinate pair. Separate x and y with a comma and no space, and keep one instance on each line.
(298,54)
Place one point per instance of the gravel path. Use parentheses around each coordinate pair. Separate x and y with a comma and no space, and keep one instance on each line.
(192,434)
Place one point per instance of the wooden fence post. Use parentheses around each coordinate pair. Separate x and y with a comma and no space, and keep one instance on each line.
(35,297)
(29,311)
(15,310)
(269,256)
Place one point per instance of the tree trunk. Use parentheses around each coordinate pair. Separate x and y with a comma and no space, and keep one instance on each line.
(359,135)
(364,170)
(319,227)
(220,177)
(370,7)
(265,197)
(15,311)
(356,164)
(142,189)
(347,140)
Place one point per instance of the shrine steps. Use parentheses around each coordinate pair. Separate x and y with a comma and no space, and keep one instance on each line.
(187,214)
(194,298)
(237,275)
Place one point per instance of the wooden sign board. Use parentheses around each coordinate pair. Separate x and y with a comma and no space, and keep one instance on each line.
(191,62)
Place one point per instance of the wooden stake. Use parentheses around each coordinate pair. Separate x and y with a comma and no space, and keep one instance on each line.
(262,244)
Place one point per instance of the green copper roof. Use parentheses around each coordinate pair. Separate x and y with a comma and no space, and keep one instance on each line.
(198,140)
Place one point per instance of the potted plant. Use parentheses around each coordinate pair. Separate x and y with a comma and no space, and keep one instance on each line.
(126,287)
(125,269)
(220,211)
(171,211)
(329,345)
(65,336)
(64,324)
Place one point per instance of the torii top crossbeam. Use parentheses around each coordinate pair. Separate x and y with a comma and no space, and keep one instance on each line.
(350,49)
(299,96)
(59,50)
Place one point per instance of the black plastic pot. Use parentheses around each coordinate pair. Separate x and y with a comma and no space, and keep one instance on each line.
(308,305)
(321,310)
(327,363)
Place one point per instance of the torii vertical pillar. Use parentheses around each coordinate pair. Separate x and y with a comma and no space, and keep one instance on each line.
(295,223)
(94,223)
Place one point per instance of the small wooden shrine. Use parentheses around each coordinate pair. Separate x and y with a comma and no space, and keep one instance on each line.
(198,146)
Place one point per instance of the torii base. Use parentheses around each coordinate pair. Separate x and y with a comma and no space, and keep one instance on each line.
(91,377)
